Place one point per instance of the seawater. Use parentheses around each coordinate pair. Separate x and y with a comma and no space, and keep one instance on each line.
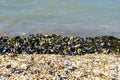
(65,17)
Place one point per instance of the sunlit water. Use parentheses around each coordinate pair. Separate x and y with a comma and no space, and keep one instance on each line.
(65,17)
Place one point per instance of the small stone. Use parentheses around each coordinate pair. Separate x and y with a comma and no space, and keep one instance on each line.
(73,68)
(68,71)
(108,51)
(8,66)
(51,72)
(71,38)
(77,46)
(78,51)
(63,77)
(102,44)
(17,71)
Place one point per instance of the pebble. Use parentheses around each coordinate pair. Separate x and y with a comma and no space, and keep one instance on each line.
(8,66)
(17,71)
(51,72)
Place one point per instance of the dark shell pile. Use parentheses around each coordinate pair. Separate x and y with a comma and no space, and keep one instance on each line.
(55,44)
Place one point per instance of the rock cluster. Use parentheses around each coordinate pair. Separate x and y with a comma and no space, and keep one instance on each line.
(55,44)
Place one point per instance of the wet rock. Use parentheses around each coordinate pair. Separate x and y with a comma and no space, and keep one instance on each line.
(42,44)
(2,50)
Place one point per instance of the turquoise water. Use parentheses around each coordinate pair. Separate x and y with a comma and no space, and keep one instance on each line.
(69,17)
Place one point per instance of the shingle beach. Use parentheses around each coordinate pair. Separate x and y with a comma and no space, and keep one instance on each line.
(54,57)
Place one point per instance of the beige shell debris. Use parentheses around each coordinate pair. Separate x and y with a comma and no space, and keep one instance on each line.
(59,67)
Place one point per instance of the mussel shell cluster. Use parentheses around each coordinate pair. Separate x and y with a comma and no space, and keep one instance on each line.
(56,44)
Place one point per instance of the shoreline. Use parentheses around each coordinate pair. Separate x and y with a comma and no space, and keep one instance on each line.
(64,45)
(64,29)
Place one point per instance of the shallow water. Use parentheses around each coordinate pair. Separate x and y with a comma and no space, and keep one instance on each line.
(65,17)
